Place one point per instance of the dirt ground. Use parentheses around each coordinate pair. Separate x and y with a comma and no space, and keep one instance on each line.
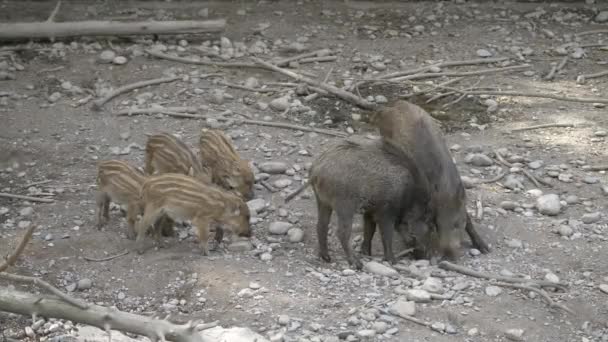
(57,139)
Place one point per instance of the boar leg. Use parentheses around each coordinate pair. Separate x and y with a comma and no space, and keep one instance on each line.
(345,226)
(103,208)
(149,163)
(219,236)
(151,215)
(132,212)
(387,226)
(202,231)
(478,242)
(369,228)
(166,226)
(323,218)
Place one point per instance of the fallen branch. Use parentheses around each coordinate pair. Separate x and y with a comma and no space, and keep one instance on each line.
(318,53)
(596,167)
(433,87)
(459,74)
(27,198)
(98,104)
(53,14)
(491,180)
(556,68)
(524,171)
(317,59)
(585,33)
(184,60)
(443,65)
(11,259)
(37,183)
(98,316)
(242,87)
(340,93)
(242,121)
(541,292)
(48,29)
(407,318)
(52,289)
(549,125)
(106,258)
(155,110)
(583,78)
(448,266)
(268,186)
(404,253)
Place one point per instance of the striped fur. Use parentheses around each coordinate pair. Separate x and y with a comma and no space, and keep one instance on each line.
(120,182)
(165,153)
(182,197)
(228,169)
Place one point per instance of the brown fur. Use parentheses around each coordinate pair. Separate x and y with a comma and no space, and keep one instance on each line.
(183,198)
(165,153)
(119,182)
(228,169)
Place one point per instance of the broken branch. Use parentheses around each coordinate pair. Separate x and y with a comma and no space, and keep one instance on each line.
(318,53)
(556,68)
(242,87)
(442,65)
(11,259)
(459,74)
(54,12)
(39,282)
(98,104)
(596,167)
(106,258)
(541,292)
(583,78)
(491,180)
(549,125)
(27,198)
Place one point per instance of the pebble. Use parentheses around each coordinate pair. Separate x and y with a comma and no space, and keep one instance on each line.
(246,293)
(566,231)
(590,218)
(119,60)
(548,204)
(418,296)
(403,308)
(279,227)
(295,235)
(380,269)
(602,17)
(603,288)
(537,164)
(473,332)
(266,257)
(256,205)
(54,97)
(280,104)
(282,183)
(217,97)
(273,168)
(283,319)
(438,326)
(107,56)
(551,277)
(483,53)
(84,284)
(514,334)
(468,182)
(380,99)
(433,285)
(478,159)
(508,205)
(252,82)
(240,246)
(25,212)
(514,243)
(493,291)
(591,180)
(571,199)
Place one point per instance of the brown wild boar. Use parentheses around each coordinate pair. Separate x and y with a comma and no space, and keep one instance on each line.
(228,169)
(412,130)
(165,153)
(371,177)
(184,198)
(121,183)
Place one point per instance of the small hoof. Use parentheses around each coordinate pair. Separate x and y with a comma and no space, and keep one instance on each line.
(357,264)
(325,258)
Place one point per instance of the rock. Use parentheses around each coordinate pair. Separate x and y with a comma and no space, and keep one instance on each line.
(240,246)
(493,291)
(537,164)
(602,17)
(234,334)
(403,308)
(603,288)
(514,243)
(571,199)
(282,183)
(119,60)
(483,53)
(564,230)
(266,257)
(380,327)
(106,56)
(54,97)
(84,284)
(468,182)
(508,205)
(246,293)
(279,227)
(25,212)
(551,277)
(273,168)
(548,204)
(513,182)
(418,296)
(478,159)
(366,333)
(283,319)
(280,104)
(252,82)
(590,218)
(438,326)
(433,285)
(514,334)
(473,332)
(295,235)
(591,180)
(380,269)
(256,205)
(380,99)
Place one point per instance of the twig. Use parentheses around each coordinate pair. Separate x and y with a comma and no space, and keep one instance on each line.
(556,68)
(583,78)
(340,93)
(268,186)
(461,96)
(50,69)
(318,53)
(433,87)
(448,266)
(11,259)
(404,253)
(155,110)
(98,104)
(37,183)
(491,180)
(524,171)
(54,13)
(328,74)
(184,60)
(45,285)
(238,86)
(106,258)
(27,198)
(459,74)
(244,121)
(205,326)
(318,59)
(541,292)
(584,33)
(601,167)
(444,64)
(529,128)
(479,205)
(407,318)
(547,96)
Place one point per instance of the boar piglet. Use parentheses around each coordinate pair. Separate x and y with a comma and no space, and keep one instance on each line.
(165,153)
(227,168)
(184,198)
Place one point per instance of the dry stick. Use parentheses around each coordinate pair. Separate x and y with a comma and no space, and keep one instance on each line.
(407,318)
(547,96)
(433,87)
(459,74)
(184,60)
(525,172)
(98,104)
(37,183)
(582,78)
(448,266)
(155,110)
(556,68)
(27,198)
(597,168)
(318,53)
(404,253)
(529,128)
(11,259)
(268,186)
(491,180)
(444,64)
(460,97)
(54,12)
(238,86)
(541,292)
(479,205)
(340,93)
(584,33)
(45,285)
(318,59)
(99,316)
(247,122)
(106,258)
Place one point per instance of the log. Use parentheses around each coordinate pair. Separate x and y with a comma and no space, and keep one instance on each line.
(98,316)
(49,29)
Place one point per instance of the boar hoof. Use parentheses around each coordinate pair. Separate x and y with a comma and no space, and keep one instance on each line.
(357,264)
(131,235)
(325,257)
(204,251)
